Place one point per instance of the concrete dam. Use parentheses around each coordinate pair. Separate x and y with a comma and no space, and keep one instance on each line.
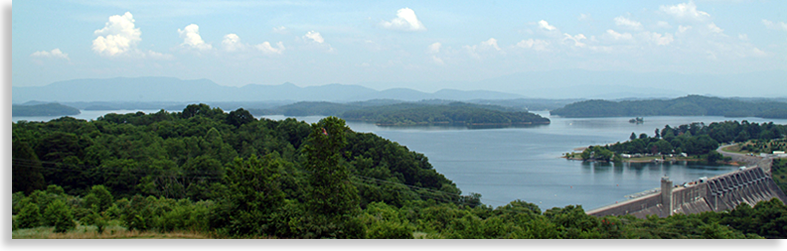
(720,193)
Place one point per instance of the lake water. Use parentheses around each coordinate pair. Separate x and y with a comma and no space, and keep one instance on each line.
(524,163)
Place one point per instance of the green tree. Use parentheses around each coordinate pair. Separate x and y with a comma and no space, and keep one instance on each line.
(255,195)
(98,197)
(59,215)
(29,216)
(333,199)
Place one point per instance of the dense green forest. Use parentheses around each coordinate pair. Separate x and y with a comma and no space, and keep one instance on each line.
(50,109)
(695,139)
(230,175)
(692,105)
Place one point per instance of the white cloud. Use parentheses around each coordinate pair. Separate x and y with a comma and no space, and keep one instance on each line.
(743,37)
(55,53)
(117,37)
(437,60)
(577,39)
(266,48)
(405,20)
(685,11)
(715,29)
(535,44)
(435,47)
(544,25)
(775,26)
(192,39)
(628,23)
(491,43)
(317,41)
(280,30)
(157,55)
(659,39)
(617,36)
(484,46)
(314,36)
(232,42)
(682,29)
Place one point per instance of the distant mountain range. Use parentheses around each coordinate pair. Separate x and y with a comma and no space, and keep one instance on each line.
(166,89)
(556,84)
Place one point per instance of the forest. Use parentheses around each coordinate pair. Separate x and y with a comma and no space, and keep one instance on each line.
(692,105)
(230,175)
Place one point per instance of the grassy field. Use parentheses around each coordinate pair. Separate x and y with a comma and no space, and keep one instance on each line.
(110,232)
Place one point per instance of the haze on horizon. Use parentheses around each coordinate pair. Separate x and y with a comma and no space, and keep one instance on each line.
(426,46)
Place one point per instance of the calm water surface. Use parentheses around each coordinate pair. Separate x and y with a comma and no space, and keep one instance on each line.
(524,163)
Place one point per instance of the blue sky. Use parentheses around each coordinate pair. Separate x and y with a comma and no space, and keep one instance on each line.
(386,44)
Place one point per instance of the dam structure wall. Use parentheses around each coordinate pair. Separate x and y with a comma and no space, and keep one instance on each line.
(720,193)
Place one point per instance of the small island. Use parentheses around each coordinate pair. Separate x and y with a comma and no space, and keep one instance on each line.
(50,109)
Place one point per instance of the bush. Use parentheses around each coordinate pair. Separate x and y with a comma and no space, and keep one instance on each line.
(29,216)
(58,214)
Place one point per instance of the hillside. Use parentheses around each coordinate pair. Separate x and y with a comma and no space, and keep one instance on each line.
(692,105)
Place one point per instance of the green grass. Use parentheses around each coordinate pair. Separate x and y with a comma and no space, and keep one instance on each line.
(110,232)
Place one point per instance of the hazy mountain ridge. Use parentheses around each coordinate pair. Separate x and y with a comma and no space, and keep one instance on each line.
(167,89)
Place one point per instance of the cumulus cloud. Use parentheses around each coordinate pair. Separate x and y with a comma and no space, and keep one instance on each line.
(663,24)
(617,36)
(405,20)
(628,23)
(584,17)
(314,36)
(685,11)
(266,48)
(484,46)
(317,41)
(577,39)
(437,60)
(535,44)
(659,39)
(232,42)
(715,29)
(435,47)
(55,53)
(192,39)
(544,25)
(682,29)
(743,37)
(117,37)
(776,26)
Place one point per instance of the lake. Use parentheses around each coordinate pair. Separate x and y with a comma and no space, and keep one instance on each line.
(524,163)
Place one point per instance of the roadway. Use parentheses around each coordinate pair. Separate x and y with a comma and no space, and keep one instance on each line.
(764,163)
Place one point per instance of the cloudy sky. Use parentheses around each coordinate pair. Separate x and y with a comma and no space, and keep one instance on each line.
(414,44)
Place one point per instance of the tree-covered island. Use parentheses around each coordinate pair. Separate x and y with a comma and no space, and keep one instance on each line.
(436,112)
(49,109)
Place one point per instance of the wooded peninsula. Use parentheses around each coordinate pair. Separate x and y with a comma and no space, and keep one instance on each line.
(692,105)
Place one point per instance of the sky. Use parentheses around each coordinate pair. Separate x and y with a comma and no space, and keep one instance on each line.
(423,45)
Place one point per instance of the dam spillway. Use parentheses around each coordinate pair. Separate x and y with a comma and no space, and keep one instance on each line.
(720,193)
